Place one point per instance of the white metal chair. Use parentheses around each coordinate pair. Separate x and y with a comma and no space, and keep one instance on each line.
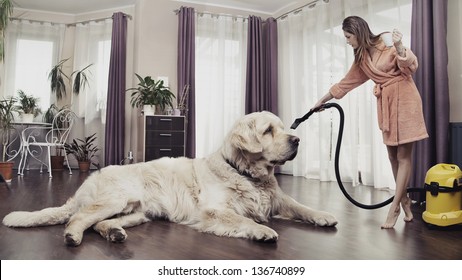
(36,138)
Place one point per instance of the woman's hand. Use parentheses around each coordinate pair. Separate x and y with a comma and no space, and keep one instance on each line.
(397,36)
(317,107)
(321,101)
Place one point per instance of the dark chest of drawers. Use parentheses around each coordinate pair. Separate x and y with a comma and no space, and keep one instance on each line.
(164,136)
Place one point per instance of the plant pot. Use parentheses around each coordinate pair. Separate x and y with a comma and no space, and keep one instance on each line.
(6,170)
(57,163)
(149,110)
(84,166)
(27,118)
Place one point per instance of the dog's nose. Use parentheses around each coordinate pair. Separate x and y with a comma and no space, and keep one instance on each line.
(294,140)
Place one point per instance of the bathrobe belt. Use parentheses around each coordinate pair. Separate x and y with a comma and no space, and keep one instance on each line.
(383,112)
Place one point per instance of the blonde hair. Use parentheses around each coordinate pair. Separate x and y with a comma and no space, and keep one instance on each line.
(366,39)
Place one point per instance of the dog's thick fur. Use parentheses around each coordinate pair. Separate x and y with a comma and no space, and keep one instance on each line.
(230,193)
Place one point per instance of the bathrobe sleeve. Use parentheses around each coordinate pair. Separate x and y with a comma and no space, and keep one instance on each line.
(407,64)
(354,78)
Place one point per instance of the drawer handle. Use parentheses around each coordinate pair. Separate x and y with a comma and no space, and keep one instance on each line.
(165,135)
(165,150)
(165,120)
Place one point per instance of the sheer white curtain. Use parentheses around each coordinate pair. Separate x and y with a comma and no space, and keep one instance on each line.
(313,55)
(32,48)
(221,51)
(92,46)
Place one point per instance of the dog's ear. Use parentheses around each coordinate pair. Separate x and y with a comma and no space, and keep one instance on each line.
(244,137)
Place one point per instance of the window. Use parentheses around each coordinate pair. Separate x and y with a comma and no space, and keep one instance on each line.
(221,51)
(31,51)
(33,62)
(102,75)
(93,46)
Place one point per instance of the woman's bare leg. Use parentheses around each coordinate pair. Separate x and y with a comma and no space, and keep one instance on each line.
(401,162)
(405,200)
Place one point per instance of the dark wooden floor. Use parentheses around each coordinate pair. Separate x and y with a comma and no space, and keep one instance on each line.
(357,236)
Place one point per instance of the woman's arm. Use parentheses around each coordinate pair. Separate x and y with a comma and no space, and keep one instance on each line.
(397,36)
(354,78)
(407,61)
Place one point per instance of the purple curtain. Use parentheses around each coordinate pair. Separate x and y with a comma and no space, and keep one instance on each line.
(115,113)
(186,72)
(428,42)
(261,82)
(270,35)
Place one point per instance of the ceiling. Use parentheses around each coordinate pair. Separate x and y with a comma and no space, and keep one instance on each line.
(269,7)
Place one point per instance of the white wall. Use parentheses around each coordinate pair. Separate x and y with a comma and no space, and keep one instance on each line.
(455,59)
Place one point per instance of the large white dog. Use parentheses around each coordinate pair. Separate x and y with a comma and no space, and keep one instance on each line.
(230,193)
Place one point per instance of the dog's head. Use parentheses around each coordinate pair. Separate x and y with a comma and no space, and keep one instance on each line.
(257,142)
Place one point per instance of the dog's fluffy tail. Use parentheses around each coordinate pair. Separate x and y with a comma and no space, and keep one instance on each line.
(44,217)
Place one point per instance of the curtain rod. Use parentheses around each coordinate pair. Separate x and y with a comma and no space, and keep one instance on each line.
(212,14)
(96,20)
(34,20)
(68,24)
(281,16)
(312,3)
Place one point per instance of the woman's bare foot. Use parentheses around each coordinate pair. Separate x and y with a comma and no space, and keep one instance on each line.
(393,215)
(406,204)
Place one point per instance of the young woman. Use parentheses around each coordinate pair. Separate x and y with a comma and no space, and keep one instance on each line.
(399,105)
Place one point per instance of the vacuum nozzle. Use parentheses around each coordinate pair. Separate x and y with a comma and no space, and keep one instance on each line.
(295,124)
(298,121)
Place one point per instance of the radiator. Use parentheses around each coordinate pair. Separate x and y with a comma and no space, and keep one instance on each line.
(455,152)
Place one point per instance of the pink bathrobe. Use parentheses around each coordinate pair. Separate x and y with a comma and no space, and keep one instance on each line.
(399,106)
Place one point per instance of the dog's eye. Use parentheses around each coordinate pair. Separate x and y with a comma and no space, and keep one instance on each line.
(269,130)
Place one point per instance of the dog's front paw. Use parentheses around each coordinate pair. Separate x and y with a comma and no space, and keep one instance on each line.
(264,234)
(117,235)
(324,219)
(72,239)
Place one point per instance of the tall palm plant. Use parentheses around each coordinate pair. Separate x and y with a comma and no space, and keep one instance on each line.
(7,108)
(57,82)
(6,9)
(80,79)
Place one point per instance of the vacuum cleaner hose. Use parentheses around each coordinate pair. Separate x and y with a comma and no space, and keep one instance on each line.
(337,156)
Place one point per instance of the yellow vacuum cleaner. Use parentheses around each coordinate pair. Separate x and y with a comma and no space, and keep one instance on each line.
(443,186)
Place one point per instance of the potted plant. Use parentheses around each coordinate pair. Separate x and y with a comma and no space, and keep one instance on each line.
(151,93)
(28,106)
(7,108)
(57,79)
(80,79)
(57,160)
(84,151)
(6,10)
